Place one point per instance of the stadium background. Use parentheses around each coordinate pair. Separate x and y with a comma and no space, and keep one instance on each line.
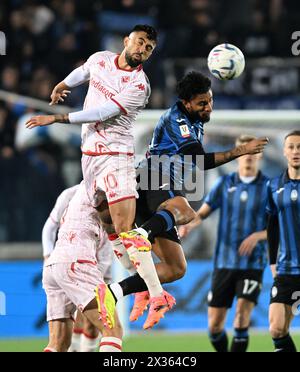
(45,41)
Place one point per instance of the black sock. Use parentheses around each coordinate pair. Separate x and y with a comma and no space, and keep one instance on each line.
(160,222)
(284,344)
(240,340)
(133,284)
(219,341)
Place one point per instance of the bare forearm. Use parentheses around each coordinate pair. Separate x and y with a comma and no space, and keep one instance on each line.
(227,156)
(261,235)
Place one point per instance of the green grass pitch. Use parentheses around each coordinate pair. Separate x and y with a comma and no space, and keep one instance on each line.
(194,342)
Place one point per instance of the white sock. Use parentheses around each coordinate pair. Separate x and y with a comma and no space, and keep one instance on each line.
(117,290)
(121,253)
(50,350)
(76,341)
(144,265)
(88,344)
(110,345)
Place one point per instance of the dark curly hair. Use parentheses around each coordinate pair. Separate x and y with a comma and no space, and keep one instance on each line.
(150,31)
(192,84)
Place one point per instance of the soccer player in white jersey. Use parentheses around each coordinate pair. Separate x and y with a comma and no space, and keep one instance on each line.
(73,271)
(118,91)
(85,334)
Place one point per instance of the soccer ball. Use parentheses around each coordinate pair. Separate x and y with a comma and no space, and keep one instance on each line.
(226,62)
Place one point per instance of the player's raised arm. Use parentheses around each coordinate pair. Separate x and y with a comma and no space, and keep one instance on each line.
(103,113)
(77,77)
(253,147)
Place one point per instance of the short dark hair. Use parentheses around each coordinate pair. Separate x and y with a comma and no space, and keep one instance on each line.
(150,31)
(294,133)
(192,84)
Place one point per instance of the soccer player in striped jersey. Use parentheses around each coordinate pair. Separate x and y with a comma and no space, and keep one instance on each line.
(284,245)
(241,252)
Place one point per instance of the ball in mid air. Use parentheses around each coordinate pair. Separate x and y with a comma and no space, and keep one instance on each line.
(226,62)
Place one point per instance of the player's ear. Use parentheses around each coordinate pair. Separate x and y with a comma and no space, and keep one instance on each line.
(126,41)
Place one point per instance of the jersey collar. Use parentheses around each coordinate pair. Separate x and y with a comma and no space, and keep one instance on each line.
(237,178)
(286,177)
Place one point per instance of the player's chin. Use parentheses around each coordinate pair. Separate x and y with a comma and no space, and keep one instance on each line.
(205,118)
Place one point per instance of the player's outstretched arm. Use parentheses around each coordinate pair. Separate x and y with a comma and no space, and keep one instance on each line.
(103,113)
(253,147)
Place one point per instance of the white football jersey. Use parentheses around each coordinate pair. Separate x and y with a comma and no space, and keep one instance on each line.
(81,235)
(130,90)
(62,203)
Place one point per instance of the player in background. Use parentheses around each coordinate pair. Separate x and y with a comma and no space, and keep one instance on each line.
(81,257)
(179,132)
(118,91)
(241,252)
(85,334)
(284,246)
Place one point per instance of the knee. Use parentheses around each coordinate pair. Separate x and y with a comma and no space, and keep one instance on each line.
(190,215)
(277,332)
(117,331)
(215,327)
(90,330)
(179,270)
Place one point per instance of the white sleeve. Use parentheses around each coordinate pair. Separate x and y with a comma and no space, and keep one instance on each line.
(134,97)
(49,236)
(77,77)
(103,113)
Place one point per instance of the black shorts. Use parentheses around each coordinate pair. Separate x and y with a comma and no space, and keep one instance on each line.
(228,284)
(148,203)
(285,290)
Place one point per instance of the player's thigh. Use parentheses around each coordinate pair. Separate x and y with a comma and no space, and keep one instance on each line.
(123,214)
(222,292)
(216,318)
(249,285)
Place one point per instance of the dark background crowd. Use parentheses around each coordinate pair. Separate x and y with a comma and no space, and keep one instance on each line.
(47,39)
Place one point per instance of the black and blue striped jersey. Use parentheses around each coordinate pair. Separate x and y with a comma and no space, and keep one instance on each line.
(242,212)
(284,202)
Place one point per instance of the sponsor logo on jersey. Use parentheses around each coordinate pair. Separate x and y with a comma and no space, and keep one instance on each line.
(97,85)
(231,189)
(280,190)
(184,130)
(180,121)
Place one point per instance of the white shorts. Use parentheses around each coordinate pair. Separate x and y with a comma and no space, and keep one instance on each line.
(109,177)
(69,286)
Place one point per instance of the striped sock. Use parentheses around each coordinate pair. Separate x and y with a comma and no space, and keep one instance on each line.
(110,345)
